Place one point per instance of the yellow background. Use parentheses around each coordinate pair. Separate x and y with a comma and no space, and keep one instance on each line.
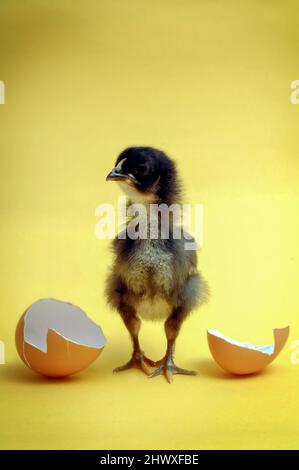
(208,82)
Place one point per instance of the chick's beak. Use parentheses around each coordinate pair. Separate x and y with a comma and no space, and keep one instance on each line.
(116,175)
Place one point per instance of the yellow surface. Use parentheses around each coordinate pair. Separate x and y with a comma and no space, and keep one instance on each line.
(209,82)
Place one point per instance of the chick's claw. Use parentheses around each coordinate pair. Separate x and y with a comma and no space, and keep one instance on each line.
(150,362)
(139,361)
(168,368)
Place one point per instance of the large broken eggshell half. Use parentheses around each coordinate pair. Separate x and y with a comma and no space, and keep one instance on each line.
(244,358)
(57,339)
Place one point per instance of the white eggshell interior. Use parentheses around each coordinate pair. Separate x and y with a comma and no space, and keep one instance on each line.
(267,349)
(67,320)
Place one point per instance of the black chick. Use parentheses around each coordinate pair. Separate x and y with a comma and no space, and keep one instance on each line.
(153,279)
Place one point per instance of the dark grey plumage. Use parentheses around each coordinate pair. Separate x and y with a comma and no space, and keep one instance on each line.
(153,279)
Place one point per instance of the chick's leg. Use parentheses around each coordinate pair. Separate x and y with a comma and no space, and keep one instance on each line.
(138,359)
(167,365)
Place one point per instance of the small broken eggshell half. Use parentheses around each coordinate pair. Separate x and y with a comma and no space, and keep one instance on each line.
(57,339)
(244,358)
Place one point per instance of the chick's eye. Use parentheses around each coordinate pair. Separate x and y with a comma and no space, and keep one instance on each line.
(141,170)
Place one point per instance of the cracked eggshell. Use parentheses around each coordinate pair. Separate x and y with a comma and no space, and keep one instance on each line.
(244,358)
(57,339)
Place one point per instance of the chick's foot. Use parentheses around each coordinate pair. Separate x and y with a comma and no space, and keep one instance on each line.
(139,361)
(167,367)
